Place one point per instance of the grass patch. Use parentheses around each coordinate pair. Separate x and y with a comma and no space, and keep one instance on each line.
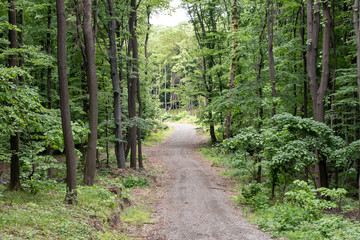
(45,215)
(158,136)
(136,216)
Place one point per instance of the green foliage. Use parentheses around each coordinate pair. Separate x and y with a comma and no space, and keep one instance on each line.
(305,196)
(131,181)
(255,195)
(45,216)
(136,216)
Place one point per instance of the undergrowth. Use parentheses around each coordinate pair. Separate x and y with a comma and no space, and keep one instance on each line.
(298,213)
(102,211)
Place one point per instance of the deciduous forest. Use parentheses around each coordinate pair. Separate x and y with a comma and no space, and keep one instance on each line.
(84,84)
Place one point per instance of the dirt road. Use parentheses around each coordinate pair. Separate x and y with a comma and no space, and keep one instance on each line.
(197,206)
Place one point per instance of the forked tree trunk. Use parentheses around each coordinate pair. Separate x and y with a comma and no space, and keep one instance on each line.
(318,91)
(119,145)
(71,192)
(14,139)
(90,164)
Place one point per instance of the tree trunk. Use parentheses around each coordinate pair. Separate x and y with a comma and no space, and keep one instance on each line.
(357,34)
(133,82)
(270,30)
(14,139)
(90,164)
(302,36)
(165,74)
(318,91)
(21,39)
(235,27)
(148,12)
(48,78)
(119,145)
(71,192)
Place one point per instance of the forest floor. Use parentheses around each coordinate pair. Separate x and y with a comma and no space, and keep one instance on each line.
(190,200)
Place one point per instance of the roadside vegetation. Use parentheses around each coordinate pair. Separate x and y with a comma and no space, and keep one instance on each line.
(274,185)
(103,211)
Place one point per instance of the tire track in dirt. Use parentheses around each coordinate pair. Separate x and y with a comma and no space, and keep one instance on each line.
(197,207)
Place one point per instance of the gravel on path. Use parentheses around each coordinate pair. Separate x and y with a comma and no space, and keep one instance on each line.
(197,207)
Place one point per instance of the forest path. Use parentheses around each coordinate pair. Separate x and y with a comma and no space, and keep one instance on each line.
(197,206)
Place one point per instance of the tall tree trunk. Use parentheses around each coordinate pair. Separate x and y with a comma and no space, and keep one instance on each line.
(318,91)
(90,164)
(271,15)
(119,145)
(357,34)
(14,139)
(235,27)
(48,78)
(21,39)
(71,192)
(133,82)
(148,12)
(302,36)
(165,74)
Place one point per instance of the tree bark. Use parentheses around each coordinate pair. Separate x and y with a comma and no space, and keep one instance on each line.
(133,82)
(165,74)
(90,164)
(235,27)
(318,91)
(140,159)
(270,30)
(357,34)
(21,39)
(119,145)
(302,36)
(48,78)
(71,192)
(14,139)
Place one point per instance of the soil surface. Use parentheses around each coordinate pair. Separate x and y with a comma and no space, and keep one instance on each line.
(196,204)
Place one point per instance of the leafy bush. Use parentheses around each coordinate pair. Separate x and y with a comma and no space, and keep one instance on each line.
(254,194)
(293,222)
(306,197)
(132,182)
(282,218)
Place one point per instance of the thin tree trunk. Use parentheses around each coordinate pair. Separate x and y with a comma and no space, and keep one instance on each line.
(140,159)
(90,165)
(119,145)
(21,39)
(302,36)
(48,78)
(357,34)
(270,30)
(133,82)
(165,85)
(71,192)
(235,27)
